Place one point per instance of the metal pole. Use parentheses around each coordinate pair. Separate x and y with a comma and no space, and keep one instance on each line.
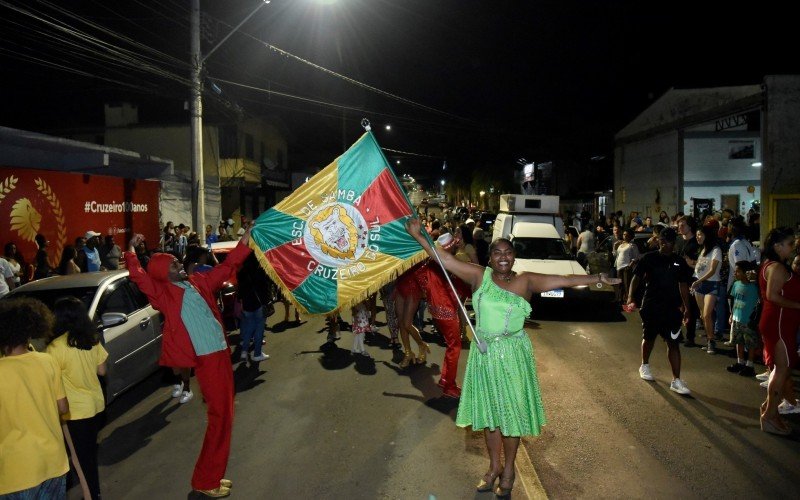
(481,343)
(198,183)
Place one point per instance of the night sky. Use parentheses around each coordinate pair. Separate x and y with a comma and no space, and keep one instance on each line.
(543,80)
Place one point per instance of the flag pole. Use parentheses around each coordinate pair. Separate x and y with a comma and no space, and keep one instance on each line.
(481,343)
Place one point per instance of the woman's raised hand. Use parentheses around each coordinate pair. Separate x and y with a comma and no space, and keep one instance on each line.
(413,227)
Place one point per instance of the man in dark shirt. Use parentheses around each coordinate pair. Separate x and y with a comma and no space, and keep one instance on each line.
(689,249)
(665,304)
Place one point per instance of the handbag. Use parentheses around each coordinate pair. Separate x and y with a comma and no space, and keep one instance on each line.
(268,309)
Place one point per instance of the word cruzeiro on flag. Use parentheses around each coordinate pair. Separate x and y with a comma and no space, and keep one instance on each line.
(341,236)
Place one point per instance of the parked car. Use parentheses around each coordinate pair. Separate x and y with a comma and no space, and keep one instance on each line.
(540,249)
(131,328)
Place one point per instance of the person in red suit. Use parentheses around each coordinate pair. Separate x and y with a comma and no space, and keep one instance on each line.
(193,337)
(445,312)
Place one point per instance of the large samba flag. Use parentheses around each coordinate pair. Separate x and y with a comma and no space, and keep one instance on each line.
(341,236)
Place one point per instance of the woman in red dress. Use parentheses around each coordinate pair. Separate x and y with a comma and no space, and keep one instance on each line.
(780,318)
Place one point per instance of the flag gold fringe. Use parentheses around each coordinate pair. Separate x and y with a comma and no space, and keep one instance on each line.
(362,296)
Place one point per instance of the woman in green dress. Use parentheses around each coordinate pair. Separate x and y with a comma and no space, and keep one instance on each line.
(501,391)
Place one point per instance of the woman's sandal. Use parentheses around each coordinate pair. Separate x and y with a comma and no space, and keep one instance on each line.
(487,483)
(504,487)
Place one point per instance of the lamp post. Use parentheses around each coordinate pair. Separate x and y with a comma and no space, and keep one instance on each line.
(196,110)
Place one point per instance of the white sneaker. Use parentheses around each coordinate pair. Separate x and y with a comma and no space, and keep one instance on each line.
(186,397)
(243,356)
(679,386)
(764,384)
(763,376)
(644,373)
(786,408)
(177,390)
(261,357)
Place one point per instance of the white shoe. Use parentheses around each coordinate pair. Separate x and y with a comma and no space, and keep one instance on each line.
(243,356)
(764,384)
(786,408)
(186,397)
(261,357)
(177,390)
(679,386)
(763,376)
(644,373)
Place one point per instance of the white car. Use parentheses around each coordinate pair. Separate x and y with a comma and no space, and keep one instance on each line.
(540,249)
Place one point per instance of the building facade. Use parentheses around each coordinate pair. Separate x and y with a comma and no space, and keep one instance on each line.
(697,150)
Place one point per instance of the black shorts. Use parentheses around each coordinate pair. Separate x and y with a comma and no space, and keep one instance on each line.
(667,324)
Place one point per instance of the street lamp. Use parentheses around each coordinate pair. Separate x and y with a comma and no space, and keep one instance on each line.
(198,182)
(388,128)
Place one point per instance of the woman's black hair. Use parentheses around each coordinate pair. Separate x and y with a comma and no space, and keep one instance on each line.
(67,255)
(629,231)
(72,318)
(500,240)
(774,237)
(710,239)
(23,318)
(466,235)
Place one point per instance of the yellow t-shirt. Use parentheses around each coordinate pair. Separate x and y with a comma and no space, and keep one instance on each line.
(79,372)
(31,442)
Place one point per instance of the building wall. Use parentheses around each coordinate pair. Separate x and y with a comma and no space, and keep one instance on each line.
(174,142)
(646,174)
(781,170)
(710,172)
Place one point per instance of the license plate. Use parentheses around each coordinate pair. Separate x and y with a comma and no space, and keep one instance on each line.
(558,294)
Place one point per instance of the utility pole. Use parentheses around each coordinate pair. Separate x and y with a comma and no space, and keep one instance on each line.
(196,110)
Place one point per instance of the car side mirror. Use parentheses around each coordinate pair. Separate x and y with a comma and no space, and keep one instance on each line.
(113,319)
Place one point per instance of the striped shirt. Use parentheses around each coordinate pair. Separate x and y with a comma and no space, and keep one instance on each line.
(205,332)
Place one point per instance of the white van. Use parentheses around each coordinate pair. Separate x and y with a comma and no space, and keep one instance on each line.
(539,248)
(516,208)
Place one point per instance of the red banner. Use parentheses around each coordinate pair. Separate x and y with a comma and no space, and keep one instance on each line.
(62,206)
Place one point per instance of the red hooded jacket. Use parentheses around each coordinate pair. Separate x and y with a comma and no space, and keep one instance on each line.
(176,346)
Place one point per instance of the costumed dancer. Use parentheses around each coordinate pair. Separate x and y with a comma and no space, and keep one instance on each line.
(193,336)
(501,390)
(444,310)
(409,291)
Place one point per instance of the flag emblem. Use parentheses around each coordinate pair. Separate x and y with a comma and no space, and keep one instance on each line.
(340,236)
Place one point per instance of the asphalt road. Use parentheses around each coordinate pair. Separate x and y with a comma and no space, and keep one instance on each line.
(314,423)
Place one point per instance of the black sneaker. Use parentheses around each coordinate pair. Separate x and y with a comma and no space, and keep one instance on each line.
(747,371)
(736,368)
(691,343)
(710,348)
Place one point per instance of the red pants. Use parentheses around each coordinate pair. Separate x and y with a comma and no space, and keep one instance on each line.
(451,331)
(215,376)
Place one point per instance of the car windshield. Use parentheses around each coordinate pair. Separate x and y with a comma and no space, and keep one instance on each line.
(541,248)
(49,297)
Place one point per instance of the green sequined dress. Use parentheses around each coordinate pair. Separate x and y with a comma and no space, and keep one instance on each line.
(501,389)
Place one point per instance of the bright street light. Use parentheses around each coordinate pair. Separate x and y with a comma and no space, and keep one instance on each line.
(442,182)
(388,128)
